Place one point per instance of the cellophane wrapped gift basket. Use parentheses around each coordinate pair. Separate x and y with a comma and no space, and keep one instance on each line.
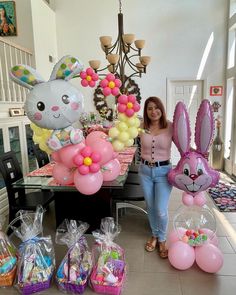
(74,270)
(109,270)
(36,253)
(8,259)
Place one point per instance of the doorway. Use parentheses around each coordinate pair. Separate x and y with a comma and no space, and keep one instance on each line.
(191,93)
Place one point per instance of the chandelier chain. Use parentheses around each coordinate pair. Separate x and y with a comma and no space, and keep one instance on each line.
(120,6)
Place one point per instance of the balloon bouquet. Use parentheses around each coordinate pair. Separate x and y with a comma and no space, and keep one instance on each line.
(53,107)
(193,237)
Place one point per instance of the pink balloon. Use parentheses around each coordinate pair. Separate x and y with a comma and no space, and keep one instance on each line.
(84,83)
(132,98)
(78,160)
(187,199)
(209,258)
(115,91)
(112,170)
(104,148)
(175,235)
(89,71)
(129,112)
(136,107)
(118,82)
(83,169)
(62,174)
(212,238)
(122,99)
(110,77)
(86,151)
(94,167)
(92,83)
(96,157)
(104,83)
(94,136)
(56,157)
(106,91)
(83,75)
(67,153)
(181,255)
(121,107)
(200,199)
(88,184)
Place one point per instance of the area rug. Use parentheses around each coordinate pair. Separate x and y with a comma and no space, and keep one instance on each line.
(224,196)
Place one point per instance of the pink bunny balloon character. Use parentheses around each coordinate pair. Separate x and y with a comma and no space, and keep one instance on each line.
(193,174)
(55,104)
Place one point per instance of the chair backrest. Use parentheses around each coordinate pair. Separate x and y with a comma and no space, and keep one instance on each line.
(11,172)
(41,156)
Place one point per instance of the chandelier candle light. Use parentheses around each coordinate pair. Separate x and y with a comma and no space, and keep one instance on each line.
(121,55)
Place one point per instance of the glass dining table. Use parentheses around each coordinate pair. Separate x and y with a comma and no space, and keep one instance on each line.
(69,202)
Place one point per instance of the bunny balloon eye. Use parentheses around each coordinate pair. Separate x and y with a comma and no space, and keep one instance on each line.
(186,169)
(40,106)
(65,99)
(199,170)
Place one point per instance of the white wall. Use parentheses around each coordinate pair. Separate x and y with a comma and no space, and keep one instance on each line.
(176,34)
(45,40)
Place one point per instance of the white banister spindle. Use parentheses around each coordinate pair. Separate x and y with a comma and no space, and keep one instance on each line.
(6,76)
(10,55)
(14,96)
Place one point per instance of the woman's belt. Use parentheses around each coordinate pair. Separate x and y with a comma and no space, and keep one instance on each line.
(155,164)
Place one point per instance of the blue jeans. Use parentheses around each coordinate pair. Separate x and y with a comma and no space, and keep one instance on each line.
(157,191)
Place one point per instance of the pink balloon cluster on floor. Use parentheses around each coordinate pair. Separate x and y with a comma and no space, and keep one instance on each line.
(182,255)
(191,240)
(87,164)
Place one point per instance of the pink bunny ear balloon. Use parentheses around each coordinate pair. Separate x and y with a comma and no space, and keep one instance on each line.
(193,173)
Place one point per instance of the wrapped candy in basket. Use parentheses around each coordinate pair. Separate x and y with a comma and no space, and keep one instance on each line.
(36,253)
(8,259)
(109,270)
(73,273)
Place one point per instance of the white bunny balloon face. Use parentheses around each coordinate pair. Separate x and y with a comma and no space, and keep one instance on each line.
(192,173)
(59,112)
(55,104)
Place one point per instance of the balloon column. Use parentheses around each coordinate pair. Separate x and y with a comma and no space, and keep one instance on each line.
(53,107)
(193,237)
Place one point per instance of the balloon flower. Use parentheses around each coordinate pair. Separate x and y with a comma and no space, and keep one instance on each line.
(110,85)
(88,78)
(128,105)
(87,164)
(193,237)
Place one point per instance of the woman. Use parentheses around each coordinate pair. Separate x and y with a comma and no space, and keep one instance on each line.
(155,164)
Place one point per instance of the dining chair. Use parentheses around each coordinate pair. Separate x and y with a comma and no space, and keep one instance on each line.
(18,199)
(41,156)
(125,197)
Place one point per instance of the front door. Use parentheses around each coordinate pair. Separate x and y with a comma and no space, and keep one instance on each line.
(191,93)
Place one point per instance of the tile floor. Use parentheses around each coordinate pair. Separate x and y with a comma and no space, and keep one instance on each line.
(147,273)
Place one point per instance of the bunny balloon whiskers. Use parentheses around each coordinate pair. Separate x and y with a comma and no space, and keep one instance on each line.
(55,104)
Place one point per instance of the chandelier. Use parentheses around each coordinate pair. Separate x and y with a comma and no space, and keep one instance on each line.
(124,58)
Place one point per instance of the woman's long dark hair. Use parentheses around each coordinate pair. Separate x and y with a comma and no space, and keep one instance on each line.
(160,106)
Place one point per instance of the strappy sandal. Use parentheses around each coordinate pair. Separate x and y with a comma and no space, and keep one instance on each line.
(163,252)
(151,244)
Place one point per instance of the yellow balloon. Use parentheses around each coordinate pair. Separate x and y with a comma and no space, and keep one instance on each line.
(131,121)
(137,122)
(118,146)
(87,161)
(123,136)
(133,132)
(113,132)
(129,142)
(122,126)
(122,117)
